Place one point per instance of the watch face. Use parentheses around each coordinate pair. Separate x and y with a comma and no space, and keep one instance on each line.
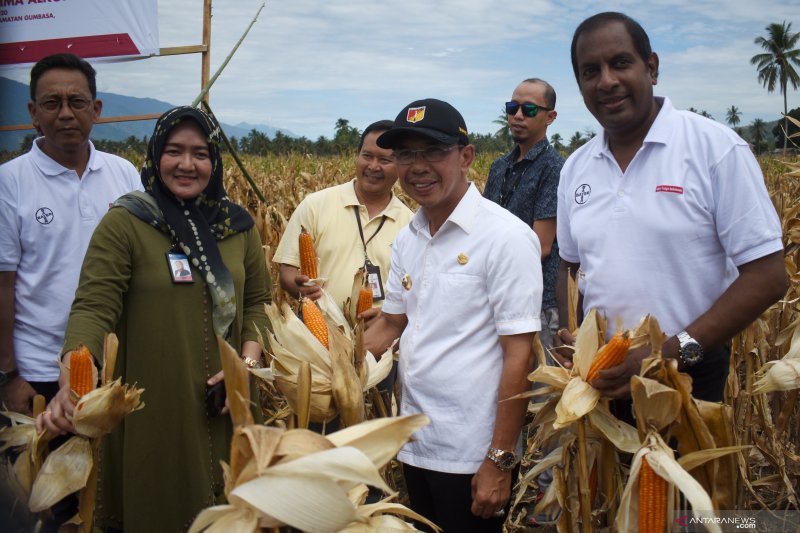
(691,353)
(507,460)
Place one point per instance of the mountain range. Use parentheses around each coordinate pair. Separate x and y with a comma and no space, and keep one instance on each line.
(14,111)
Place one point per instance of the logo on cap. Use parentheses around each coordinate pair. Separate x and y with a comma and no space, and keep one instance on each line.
(415,114)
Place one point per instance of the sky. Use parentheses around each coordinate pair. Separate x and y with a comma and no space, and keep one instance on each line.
(307,63)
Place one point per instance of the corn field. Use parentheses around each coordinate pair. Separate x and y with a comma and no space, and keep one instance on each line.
(765,425)
(741,455)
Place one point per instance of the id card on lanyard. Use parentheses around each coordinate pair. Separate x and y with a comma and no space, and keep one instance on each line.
(373,271)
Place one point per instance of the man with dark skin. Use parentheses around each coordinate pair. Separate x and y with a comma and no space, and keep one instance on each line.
(700,247)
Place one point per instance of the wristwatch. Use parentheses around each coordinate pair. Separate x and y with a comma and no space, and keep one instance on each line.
(502,459)
(8,377)
(691,351)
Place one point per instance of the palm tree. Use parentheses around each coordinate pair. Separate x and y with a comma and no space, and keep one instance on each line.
(503,134)
(776,64)
(733,116)
(576,141)
(558,142)
(757,128)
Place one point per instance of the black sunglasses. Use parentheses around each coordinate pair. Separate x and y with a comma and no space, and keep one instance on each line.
(528,110)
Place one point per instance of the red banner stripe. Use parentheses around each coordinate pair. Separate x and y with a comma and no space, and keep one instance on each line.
(113,44)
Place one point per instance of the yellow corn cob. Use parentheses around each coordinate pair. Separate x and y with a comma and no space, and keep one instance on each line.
(80,371)
(610,355)
(308,256)
(652,500)
(314,321)
(364,300)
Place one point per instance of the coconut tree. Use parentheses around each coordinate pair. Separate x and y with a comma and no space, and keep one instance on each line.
(503,134)
(757,129)
(733,116)
(556,140)
(776,65)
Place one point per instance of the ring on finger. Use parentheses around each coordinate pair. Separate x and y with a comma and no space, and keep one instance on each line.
(499,513)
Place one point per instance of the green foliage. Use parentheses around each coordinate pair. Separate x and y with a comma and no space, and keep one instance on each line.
(776,65)
(779,132)
(733,116)
(758,132)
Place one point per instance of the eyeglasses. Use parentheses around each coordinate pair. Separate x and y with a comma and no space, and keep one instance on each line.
(528,110)
(76,103)
(431,154)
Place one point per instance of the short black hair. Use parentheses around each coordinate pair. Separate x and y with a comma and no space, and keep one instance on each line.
(65,61)
(640,39)
(380,126)
(549,92)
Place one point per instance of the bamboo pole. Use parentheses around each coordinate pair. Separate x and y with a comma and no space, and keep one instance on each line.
(205,61)
(239,163)
(207,85)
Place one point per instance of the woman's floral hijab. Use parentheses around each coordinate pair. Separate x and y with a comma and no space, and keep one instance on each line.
(194,225)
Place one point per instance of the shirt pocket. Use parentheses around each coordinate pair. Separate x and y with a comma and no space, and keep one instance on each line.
(461,295)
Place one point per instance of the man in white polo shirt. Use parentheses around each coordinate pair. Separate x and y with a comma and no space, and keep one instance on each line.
(464,296)
(664,212)
(51,199)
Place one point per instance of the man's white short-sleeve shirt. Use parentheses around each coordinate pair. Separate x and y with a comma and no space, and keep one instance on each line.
(47,216)
(666,236)
(477,278)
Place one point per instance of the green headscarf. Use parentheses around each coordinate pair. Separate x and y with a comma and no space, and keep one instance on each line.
(193,225)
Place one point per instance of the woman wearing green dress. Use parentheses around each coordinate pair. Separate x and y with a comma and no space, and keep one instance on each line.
(161,466)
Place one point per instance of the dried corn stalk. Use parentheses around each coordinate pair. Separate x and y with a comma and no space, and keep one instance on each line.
(298,478)
(336,385)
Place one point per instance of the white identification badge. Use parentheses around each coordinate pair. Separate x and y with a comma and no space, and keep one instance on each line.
(179,268)
(374,280)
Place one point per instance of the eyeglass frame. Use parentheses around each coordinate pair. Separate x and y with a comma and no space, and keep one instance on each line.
(413,153)
(71,100)
(529,109)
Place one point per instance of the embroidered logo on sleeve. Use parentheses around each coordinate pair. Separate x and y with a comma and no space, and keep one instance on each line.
(669,188)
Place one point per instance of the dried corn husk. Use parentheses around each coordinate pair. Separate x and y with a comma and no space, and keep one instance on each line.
(348,392)
(65,471)
(306,480)
(780,375)
(660,458)
(99,411)
(336,386)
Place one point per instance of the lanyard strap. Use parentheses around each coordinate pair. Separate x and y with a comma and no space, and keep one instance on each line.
(361,230)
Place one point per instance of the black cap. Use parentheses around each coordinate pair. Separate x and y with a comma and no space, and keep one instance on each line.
(430,118)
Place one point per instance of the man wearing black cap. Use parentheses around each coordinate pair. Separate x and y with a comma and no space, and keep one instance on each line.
(465,302)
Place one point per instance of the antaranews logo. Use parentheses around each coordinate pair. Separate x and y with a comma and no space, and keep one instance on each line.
(738,522)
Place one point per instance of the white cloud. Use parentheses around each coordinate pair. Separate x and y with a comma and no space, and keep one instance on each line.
(307,63)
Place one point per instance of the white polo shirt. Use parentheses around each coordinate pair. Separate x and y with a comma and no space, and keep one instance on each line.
(477,278)
(664,237)
(47,215)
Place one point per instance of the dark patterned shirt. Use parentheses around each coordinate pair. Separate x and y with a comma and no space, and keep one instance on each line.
(528,189)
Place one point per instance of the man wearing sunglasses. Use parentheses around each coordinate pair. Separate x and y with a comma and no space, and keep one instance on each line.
(463,296)
(525,181)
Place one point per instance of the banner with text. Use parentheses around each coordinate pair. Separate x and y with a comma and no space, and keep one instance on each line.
(33,29)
